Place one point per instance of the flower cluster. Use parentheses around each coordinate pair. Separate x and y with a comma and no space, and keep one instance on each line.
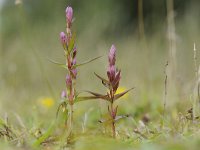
(114,75)
(70,50)
(68,42)
(112,84)
(70,95)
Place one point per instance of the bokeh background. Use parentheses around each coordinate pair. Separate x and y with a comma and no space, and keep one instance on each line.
(29,36)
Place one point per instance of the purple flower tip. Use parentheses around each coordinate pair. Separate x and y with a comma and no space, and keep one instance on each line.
(63,94)
(74,61)
(69,14)
(63,38)
(74,72)
(111,72)
(113,49)
(74,52)
(68,81)
(112,55)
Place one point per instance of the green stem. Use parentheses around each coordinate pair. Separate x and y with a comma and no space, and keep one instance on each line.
(111,113)
(70,114)
(113,122)
(70,123)
(71,119)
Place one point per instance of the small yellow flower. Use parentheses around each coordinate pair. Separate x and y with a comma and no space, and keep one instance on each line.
(120,90)
(46,102)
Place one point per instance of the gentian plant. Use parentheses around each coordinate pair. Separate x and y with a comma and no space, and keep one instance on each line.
(70,95)
(112,84)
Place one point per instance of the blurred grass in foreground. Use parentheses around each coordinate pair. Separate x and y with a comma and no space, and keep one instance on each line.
(26,75)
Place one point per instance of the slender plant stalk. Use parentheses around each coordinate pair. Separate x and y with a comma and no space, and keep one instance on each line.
(111,114)
(195,61)
(165,90)
(113,123)
(197,87)
(197,73)
(174,85)
(171,32)
(70,51)
(141,20)
(70,122)
(70,96)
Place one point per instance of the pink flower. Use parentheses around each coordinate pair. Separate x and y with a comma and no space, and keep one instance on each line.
(63,38)
(74,61)
(74,73)
(68,81)
(112,55)
(63,94)
(69,14)
(74,52)
(111,73)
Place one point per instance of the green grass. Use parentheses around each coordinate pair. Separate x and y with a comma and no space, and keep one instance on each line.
(26,75)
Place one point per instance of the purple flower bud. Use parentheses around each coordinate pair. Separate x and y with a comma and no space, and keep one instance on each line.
(116,78)
(74,52)
(71,97)
(69,14)
(63,38)
(112,55)
(68,81)
(74,73)
(74,61)
(63,94)
(111,73)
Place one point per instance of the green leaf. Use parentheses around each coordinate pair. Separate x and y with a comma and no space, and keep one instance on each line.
(117,96)
(121,117)
(2,122)
(84,98)
(44,136)
(86,62)
(59,64)
(71,44)
(117,118)
(105,120)
(102,79)
(105,97)
(62,106)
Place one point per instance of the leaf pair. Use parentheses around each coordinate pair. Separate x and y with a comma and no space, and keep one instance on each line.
(74,66)
(107,84)
(117,118)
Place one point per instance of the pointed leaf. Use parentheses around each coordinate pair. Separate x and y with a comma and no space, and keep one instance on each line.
(84,98)
(71,44)
(2,122)
(101,78)
(121,117)
(46,135)
(86,62)
(105,97)
(105,82)
(105,120)
(63,106)
(117,118)
(59,64)
(95,94)
(117,96)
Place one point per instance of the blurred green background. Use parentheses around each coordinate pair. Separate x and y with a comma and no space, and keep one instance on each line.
(29,36)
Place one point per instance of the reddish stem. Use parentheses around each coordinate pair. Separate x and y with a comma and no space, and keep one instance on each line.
(112,113)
